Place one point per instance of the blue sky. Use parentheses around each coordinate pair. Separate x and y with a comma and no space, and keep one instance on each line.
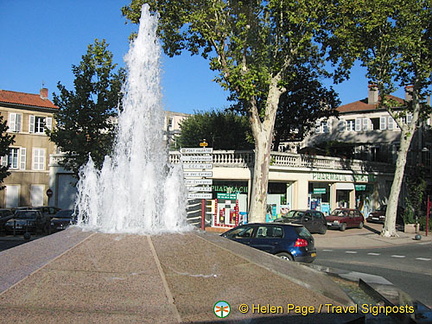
(42,39)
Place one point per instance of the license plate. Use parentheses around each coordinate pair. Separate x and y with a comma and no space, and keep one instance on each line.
(313,255)
(329,224)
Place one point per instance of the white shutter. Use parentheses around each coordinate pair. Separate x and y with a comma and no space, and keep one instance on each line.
(390,124)
(365,124)
(31,124)
(383,123)
(358,124)
(4,160)
(23,155)
(48,123)
(12,121)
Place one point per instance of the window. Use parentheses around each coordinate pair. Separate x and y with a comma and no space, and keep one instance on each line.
(38,159)
(16,159)
(37,124)
(322,127)
(390,123)
(358,124)
(14,122)
(350,125)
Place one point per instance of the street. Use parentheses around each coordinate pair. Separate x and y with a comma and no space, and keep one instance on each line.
(409,267)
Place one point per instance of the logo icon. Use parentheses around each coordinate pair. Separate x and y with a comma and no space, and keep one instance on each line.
(221,309)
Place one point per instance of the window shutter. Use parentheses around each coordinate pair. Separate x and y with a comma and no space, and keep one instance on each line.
(365,124)
(358,124)
(12,121)
(390,123)
(31,124)
(4,160)
(383,123)
(23,153)
(48,123)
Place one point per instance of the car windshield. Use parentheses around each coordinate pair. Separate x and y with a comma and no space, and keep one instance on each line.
(294,214)
(26,215)
(339,213)
(64,214)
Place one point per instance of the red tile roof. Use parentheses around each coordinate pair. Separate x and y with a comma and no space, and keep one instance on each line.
(25,99)
(362,105)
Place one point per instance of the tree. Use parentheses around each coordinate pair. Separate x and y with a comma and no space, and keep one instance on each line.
(85,120)
(393,40)
(253,45)
(306,101)
(221,130)
(6,140)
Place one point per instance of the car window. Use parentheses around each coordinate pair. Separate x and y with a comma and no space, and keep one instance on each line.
(303,232)
(339,213)
(241,232)
(317,215)
(294,214)
(269,232)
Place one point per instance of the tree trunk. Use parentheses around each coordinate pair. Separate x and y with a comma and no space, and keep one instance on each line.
(262,130)
(389,229)
(407,133)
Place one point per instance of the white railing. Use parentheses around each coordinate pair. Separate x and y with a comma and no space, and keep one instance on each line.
(244,159)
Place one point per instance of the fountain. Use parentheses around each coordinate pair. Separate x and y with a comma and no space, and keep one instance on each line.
(136,191)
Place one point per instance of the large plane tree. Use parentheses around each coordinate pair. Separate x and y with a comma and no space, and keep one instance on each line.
(254,46)
(393,40)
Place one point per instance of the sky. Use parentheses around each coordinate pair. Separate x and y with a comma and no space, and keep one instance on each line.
(41,40)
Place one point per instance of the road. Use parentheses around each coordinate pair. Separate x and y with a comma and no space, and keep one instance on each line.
(408,267)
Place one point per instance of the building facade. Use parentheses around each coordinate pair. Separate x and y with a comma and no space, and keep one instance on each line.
(28,116)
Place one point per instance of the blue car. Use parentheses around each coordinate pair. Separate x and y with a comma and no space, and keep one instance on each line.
(288,241)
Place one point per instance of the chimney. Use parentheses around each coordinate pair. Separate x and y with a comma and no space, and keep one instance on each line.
(408,93)
(43,93)
(372,94)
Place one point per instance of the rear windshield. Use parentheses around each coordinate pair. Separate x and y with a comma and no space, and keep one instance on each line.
(294,214)
(303,232)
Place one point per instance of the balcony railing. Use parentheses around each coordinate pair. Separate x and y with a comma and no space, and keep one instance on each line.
(245,159)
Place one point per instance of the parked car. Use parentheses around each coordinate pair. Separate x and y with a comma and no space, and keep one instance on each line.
(5,215)
(48,211)
(63,219)
(378,216)
(291,242)
(343,218)
(313,220)
(26,221)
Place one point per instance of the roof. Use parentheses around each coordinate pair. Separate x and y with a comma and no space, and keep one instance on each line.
(25,99)
(362,105)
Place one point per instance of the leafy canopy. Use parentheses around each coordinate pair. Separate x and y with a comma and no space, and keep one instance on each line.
(221,130)
(85,120)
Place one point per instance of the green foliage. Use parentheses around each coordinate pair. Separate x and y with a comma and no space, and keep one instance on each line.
(221,130)
(6,140)
(85,120)
(416,189)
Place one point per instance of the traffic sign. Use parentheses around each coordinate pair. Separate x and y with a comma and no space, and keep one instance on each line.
(198,166)
(205,189)
(198,173)
(196,158)
(199,195)
(198,150)
(195,182)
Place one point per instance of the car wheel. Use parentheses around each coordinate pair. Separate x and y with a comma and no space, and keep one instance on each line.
(285,256)
(343,227)
(324,230)
(361,225)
